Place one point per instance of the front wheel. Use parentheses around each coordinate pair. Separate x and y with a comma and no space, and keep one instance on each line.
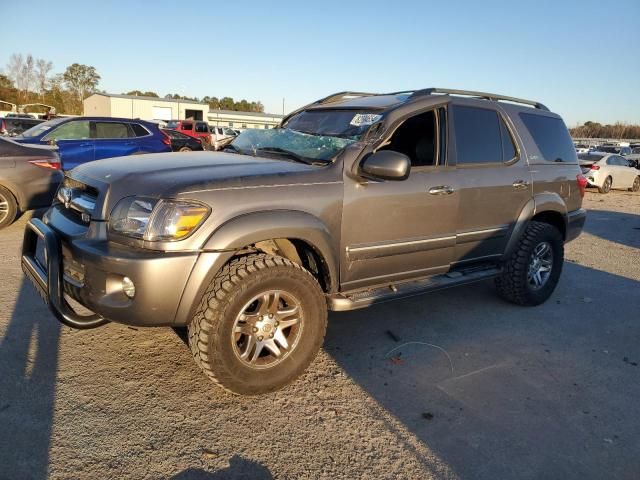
(259,325)
(532,272)
(8,207)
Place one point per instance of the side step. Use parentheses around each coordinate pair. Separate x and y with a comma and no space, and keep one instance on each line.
(342,302)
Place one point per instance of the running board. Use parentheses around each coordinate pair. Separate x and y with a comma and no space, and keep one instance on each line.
(342,302)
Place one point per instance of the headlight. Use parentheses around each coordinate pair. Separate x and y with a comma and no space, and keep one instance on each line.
(157,220)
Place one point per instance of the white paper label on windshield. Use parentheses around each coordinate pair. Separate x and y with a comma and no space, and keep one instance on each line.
(360,119)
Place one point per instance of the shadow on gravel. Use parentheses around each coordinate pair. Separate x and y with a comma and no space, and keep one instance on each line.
(619,227)
(239,468)
(28,370)
(501,391)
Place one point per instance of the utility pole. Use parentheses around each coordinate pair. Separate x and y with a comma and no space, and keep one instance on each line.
(283,106)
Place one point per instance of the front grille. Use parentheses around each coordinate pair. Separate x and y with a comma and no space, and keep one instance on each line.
(78,199)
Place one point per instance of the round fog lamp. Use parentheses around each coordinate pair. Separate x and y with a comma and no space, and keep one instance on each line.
(128,287)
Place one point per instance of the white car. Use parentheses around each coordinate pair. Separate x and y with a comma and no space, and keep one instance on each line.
(609,170)
(221,137)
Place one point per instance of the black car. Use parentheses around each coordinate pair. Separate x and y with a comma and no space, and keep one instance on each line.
(181,142)
(12,126)
(29,178)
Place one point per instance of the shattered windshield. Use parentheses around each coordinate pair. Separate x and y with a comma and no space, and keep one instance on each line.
(314,136)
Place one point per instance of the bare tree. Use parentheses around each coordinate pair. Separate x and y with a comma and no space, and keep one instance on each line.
(43,67)
(29,68)
(15,70)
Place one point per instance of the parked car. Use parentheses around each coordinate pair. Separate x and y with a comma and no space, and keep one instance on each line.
(582,148)
(609,170)
(29,178)
(19,115)
(617,149)
(12,126)
(84,139)
(221,137)
(193,128)
(181,142)
(357,199)
(634,156)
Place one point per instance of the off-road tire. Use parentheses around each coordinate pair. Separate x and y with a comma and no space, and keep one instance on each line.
(210,331)
(512,284)
(9,215)
(606,185)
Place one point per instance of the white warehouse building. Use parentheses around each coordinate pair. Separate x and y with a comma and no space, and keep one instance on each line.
(164,109)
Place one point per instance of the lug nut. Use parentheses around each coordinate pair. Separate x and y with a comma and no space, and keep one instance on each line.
(271,315)
(277,323)
(255,329)
(260,338)
(271,336)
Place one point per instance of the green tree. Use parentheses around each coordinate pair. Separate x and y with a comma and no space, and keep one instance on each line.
(81,80)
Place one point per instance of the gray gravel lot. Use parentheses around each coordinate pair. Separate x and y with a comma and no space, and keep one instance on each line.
(547,392)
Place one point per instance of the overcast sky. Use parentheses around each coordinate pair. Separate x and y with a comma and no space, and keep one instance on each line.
(582,59)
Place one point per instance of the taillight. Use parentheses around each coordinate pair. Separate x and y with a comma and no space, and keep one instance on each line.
(47,162)
(595,167)
(582,183)
(166,139)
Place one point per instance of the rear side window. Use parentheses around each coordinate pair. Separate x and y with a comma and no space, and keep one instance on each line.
(551,137)
(187,126)
(139,130)
(481,136)
(111,130)
(202,128)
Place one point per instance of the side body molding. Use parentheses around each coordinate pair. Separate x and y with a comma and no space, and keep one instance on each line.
(542,202)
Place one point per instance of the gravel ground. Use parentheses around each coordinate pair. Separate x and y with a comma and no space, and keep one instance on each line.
(546,392)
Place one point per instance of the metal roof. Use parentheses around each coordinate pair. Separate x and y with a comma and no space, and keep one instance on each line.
(141,97)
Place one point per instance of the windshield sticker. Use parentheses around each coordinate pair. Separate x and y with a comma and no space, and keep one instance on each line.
(360,119)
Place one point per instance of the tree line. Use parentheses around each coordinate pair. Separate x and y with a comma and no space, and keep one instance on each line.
(27,79)
(597,130)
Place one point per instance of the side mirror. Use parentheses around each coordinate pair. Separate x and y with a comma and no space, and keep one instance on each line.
(386,165)
(52,142)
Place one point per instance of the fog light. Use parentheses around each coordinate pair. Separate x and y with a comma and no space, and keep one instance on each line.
(128,287)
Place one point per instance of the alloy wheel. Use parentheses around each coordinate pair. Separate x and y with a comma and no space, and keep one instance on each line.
(4,208)
(540,265)
(267,329)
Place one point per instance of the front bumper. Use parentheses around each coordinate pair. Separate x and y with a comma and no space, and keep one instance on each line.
(159,277)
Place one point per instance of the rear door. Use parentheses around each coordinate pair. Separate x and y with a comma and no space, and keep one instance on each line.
(74,143)
(495,182)
(112,139)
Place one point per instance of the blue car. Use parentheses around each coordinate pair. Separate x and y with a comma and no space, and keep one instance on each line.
(84,139)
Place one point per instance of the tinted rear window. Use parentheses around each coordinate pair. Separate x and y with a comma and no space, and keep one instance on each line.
(139,130)
(590,157)
(551,136)
(481,136)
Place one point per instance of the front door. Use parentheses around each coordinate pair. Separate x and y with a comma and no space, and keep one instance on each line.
(397,230)
(74,143)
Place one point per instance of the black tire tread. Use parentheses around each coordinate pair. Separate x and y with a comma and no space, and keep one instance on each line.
(214,300)
(509,285)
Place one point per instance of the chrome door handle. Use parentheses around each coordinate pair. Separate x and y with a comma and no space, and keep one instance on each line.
(441,190)
(520,184)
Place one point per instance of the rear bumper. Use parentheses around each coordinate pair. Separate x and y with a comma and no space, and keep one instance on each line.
(159,278)
(575,223)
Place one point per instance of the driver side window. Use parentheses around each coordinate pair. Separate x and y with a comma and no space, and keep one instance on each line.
(70,131)
(417,139)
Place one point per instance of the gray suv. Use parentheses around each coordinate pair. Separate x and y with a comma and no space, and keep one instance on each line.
(353,200)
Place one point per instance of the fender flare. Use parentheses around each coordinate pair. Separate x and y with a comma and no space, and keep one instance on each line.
(542,202)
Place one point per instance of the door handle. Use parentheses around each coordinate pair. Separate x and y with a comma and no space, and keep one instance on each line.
(441,190)
(520,184)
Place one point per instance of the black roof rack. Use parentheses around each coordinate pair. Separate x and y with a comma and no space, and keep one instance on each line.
(470,93)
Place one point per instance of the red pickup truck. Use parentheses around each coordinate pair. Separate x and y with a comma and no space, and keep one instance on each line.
(193,128)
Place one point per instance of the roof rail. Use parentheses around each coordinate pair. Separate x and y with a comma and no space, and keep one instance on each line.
(470,93)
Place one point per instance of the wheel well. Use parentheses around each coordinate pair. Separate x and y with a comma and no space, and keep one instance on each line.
(552,218)
(298,251)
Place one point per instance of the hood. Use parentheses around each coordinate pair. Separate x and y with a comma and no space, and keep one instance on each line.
(172,174)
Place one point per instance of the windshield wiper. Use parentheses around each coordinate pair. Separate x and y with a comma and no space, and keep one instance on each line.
(289,154)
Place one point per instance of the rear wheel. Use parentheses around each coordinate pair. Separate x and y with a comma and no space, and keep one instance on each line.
(259,325)
(8,207)
(532,272)
(184,149)
(636,185)
(606,186)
